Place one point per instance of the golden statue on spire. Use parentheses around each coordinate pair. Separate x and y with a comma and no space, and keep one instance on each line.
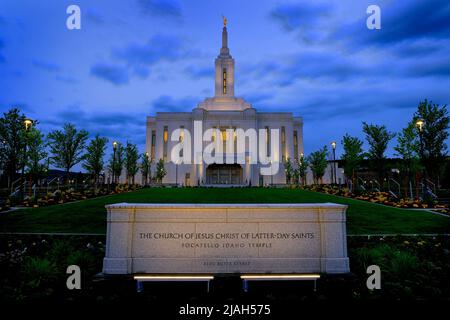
(224,21)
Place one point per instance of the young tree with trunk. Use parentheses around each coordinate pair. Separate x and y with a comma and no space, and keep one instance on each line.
(67,147)
(145,166)
(378,138)
(318,164)
(289,171)
(93,159)
(434,136)
(36,153)
(12,140)
(160,170)
(408,149)
(115,164)
(352,157)
(300,172)
(131,161)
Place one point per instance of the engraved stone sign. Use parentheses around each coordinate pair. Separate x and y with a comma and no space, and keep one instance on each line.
(226,238)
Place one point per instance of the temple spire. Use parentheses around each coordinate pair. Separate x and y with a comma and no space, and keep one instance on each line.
(224,50)
(224,79)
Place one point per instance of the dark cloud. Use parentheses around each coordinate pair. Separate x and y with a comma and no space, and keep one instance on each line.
(158,48)
(94,17)
(258,98)
(400,21)
(300,15)
(167,9)
(47,66)
(438,67)
(117,75)
(196,72)
(166,103)
(66,79)
(418,49)
(307,19)
(141,57)
(2,46)
(108,124)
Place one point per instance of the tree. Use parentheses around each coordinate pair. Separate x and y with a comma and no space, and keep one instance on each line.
(36,152)
(434,135)
(352,157)
(378,138)
(160,170)
(115,164)
(318,163)
(408,148)
(145,166)
(93,159)
(12,141)
(131,161)
(300,172)
(289,170)
(67,147)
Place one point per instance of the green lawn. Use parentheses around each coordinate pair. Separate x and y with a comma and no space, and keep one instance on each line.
(88,216)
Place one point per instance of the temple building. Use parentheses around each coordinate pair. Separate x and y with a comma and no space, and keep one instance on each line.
(223,111)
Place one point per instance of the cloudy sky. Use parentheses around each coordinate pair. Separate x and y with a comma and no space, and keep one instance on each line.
(133,58)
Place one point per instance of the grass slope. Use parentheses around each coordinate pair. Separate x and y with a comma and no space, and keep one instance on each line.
(89,216)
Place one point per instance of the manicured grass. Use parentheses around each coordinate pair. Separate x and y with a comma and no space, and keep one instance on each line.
(89,216)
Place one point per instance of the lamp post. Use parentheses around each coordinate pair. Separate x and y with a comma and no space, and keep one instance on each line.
(303,179)
(420,123)
(333,146)
(114,162)
(271,174)
(176,173)
(27,123)
(148,169)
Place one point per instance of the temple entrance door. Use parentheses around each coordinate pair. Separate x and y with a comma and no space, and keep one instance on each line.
(224,174)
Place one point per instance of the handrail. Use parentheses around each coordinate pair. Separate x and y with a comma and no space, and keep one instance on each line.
(377,183)
(14,182)
(429,191)
(398,185)
(432,183)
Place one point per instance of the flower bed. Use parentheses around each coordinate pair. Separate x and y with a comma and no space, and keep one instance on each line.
(70,195)
(33,269)
(384,198)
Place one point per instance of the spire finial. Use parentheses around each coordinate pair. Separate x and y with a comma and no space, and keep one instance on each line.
(224,21)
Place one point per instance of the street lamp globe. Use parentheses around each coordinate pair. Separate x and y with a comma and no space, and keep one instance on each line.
(28,123)
(420,123)
(115,144)
(333,145)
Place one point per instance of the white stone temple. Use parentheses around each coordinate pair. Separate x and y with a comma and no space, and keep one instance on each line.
(223,111)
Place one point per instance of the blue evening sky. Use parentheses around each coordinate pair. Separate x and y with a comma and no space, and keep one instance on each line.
(133,58)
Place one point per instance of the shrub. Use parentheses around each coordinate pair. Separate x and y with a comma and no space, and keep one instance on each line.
(38,271)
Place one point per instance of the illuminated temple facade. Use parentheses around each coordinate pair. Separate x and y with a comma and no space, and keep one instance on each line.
(223,111)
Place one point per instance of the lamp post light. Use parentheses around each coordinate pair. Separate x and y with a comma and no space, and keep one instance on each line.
(27,123)
(420,123)
(333,146)
(114,162)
